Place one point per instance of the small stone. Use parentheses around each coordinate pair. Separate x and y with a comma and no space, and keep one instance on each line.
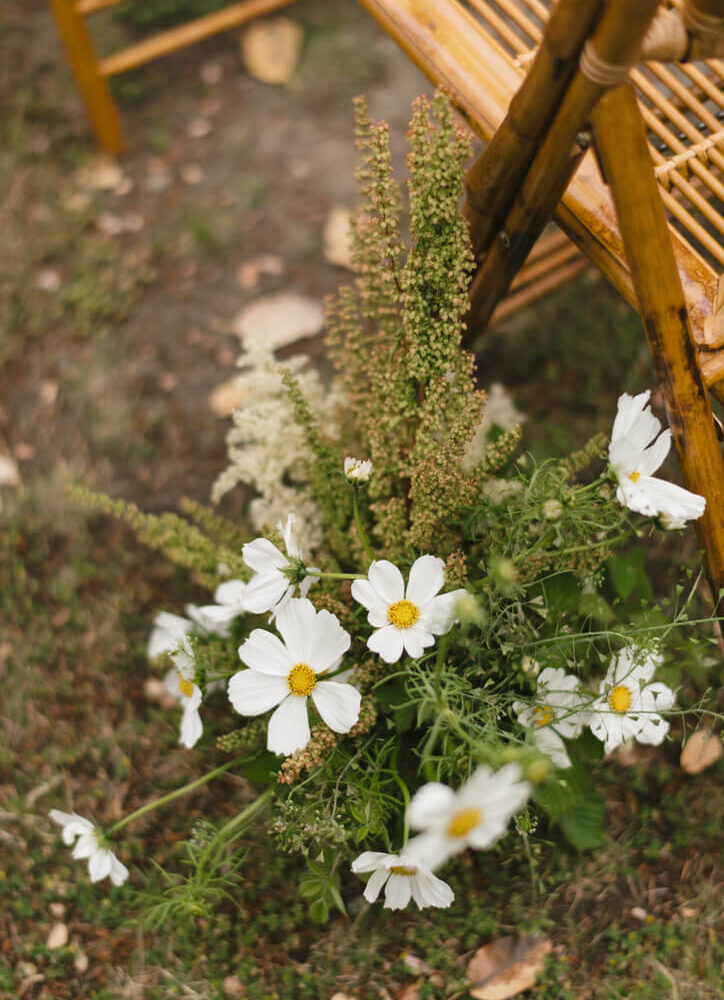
(233,986)
(125,187)
(48,279)
(101,173)
(167,382)
(638,913)
(57,910)
(24,451)
(211,73)
(192,174)
(337,236)
(271,49)
(48,391)
(198,128)
(80,962)
(58,936)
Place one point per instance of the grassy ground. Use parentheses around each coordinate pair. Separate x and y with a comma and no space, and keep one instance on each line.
(110,346)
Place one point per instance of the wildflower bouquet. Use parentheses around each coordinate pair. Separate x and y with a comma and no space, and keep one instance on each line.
(416,655)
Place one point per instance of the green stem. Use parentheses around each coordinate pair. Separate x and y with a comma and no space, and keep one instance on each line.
(360,527)
(230,830)
(178,792)
(333,576)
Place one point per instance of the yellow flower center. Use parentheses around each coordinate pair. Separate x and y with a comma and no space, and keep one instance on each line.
(403,870)
(464,822)
(620,698)
(301,680)
(185,687)
(544,715)
(635,476)
(403,614)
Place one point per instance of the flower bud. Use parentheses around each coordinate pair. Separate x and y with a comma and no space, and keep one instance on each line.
(529,666)
(670,523)
(469,611)
(552,509)
(357,470)
(539,771)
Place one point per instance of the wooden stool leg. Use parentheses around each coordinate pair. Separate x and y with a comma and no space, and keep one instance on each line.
(623,150)
(92,85)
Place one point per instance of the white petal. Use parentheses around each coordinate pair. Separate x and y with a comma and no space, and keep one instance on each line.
(387,580)
(369,861)
(653,456)
(99,865)
(252,693)
(366,595)
(191,725)
(86,845)
(289,726)
(438,616)
(664,697)
(375,883)
(296,622)
(265,652)
(290,538)
(169,632)
(429,890)
(433,848)
(263,557)
(654,731)
(119,872)
(431,804)
(550,743)
(416,640)
(397,892)
(387,642)
(338,704)
(216,618)
(427,578)
(230,592)
(668,498)
(265,591)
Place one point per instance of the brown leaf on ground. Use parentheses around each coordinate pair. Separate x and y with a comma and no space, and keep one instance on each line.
(280,319)
(58,936)
(270,49)
(507,966)
(703,748)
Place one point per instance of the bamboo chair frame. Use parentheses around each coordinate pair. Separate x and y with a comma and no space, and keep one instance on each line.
(92,73)
(646,209)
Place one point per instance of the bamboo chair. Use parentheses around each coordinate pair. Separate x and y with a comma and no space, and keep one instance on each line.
(92,73)
(541,83)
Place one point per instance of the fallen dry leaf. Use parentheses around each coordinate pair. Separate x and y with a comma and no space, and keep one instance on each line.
(80,962)
(58,936)
(9,472)
(270,49)
(703,748)
(337,237)
(100,173)
(226,398)
(507,966)
(280,319)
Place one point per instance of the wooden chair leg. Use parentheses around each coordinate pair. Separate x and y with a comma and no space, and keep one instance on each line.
(616,40)
(92,85)
(621,143)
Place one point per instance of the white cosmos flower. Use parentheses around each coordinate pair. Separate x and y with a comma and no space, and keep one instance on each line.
(89,845)
(357,470)
(475,816)
(270,588)
(635,453)
(556,713)
(402,877)
(217,618)
(285,672)
(406,620)
(170,632)
(629,706)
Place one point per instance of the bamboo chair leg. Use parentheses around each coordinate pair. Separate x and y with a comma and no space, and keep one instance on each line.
(616,40)
(92,85)
(497,175)
(626,161)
